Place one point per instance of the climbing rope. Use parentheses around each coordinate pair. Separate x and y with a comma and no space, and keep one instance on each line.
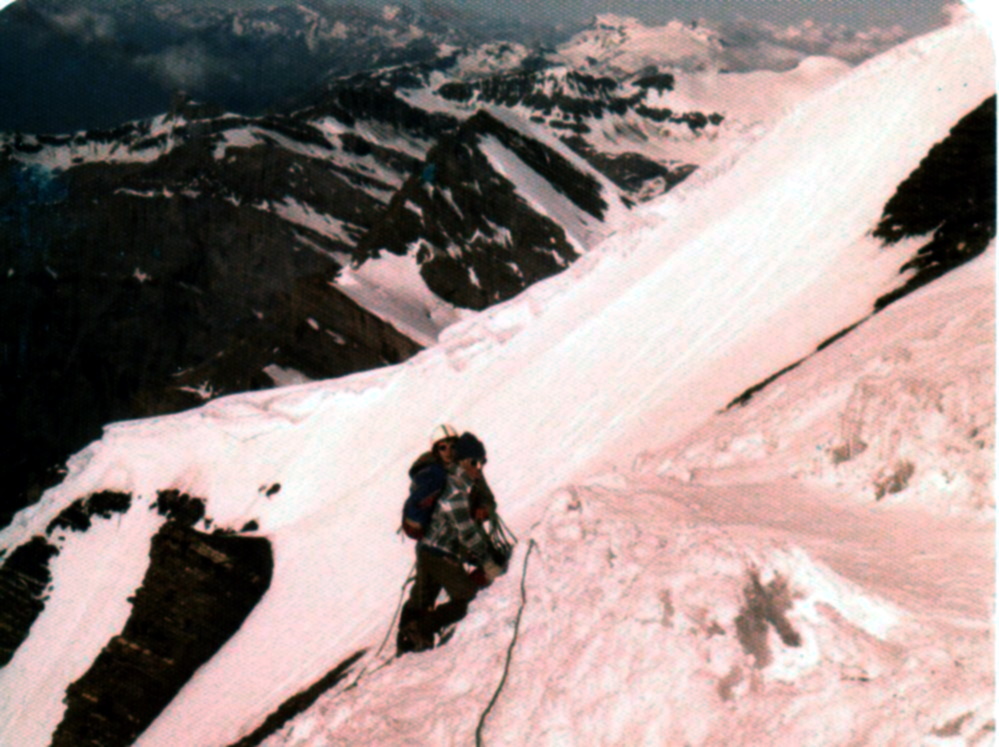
(501,537)
(411,577)
(503,540)
(509,650)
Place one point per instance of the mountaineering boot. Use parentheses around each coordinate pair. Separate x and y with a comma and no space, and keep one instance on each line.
(412,639)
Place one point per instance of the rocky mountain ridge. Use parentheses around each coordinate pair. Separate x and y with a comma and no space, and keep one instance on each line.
(478,234)
(164,262)
(161,262)
(72,66)
(168,264)
(202,604)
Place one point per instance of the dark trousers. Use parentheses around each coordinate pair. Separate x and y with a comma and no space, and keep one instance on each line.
(433,573)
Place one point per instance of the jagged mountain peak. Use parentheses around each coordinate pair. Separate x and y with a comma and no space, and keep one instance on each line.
(496,206)
(131,56)
(492,58)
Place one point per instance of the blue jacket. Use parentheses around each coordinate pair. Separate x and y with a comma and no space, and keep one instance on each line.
(428,476)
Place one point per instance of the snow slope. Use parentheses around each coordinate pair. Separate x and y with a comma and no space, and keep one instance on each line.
(636,596)
(910,400)
(727,279)
(392,288)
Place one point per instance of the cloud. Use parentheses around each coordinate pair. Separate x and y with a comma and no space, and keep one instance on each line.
(761,55)
(188,66)
(755,45)
(87,25)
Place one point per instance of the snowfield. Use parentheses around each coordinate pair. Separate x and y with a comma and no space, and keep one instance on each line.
(771,574)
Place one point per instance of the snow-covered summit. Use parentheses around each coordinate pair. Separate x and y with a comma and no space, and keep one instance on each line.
(622,45)
(490,58)
(778,612)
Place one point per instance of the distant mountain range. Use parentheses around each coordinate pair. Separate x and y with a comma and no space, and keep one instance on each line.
(67,65)
(166,260)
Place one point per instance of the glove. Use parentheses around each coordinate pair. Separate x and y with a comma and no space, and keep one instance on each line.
(479,578)
(491,570)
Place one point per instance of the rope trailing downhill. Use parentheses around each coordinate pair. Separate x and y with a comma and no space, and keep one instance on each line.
(509,651)
(411,576)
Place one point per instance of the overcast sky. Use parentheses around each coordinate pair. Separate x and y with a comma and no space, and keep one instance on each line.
(912,15)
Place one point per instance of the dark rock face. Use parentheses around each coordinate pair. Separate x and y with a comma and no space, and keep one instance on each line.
(576,104)
(137,288)
(575,95)
(372,97)
(197,592)
(180,507)
(633,173)
(951,194)
(24,577)
(574,100)
(660,81)
(77,517)
(481,243)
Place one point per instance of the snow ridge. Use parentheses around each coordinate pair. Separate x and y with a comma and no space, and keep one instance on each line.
(647,595)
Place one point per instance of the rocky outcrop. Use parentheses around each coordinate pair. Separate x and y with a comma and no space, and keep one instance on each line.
(572,100)
(25,575)
(136,285)
(78,516)
(636,175)
(951,195)
(372,97)
(585,109)
(197,592)
(479,240)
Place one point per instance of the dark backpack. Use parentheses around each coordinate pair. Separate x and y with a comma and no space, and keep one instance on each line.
(427,481)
